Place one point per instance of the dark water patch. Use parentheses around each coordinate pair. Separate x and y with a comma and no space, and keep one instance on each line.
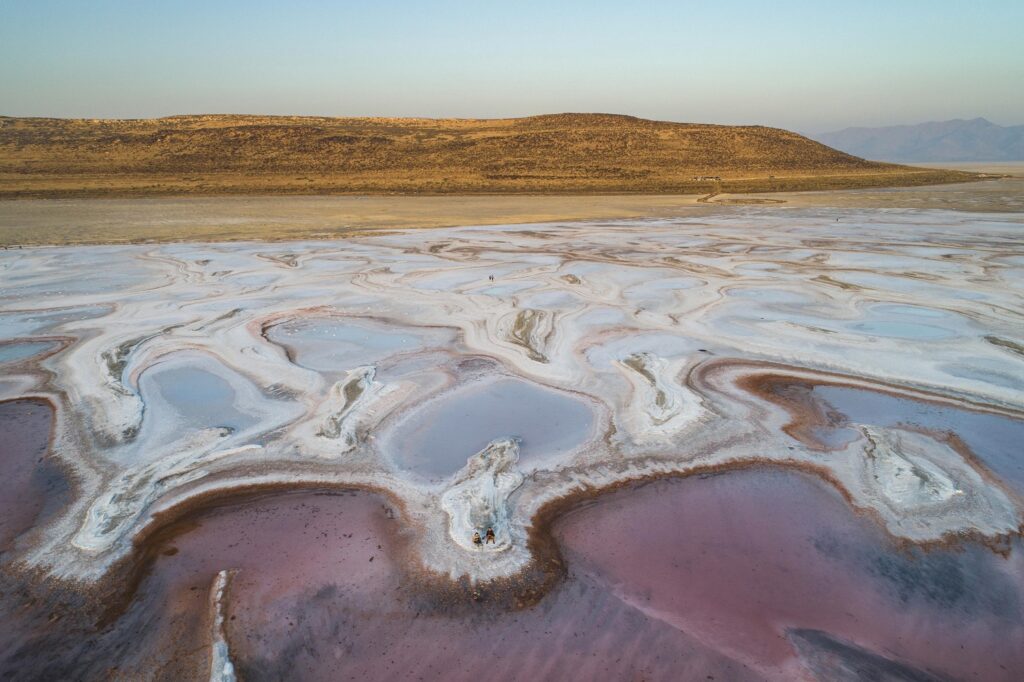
(53,636)
(945,580)
(838,661)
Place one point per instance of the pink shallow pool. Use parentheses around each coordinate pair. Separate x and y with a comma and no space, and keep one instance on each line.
(25,479)
(319,593)
(750,562)
(747,575)
(284,548)
(758,573)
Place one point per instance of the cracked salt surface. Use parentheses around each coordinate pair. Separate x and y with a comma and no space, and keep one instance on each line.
(599,355)
(612,352)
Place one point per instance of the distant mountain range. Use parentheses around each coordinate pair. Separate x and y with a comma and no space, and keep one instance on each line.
(956,140)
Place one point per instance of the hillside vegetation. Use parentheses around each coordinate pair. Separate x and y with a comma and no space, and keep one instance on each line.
(563,153)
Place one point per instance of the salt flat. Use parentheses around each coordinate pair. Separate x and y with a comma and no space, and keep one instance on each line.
(482,377)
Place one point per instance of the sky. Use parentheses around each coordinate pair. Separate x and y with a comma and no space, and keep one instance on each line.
(807,66)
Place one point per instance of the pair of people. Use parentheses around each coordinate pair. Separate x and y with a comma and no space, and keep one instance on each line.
(489,535)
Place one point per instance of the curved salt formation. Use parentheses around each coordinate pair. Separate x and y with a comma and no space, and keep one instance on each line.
(477,500)
(653,325)
(221,667)
(925,486)
(340,413)
(660,408)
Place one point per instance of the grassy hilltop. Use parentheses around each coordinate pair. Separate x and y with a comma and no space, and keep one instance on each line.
(560,153)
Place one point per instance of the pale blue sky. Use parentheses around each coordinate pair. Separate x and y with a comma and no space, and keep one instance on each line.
(808,66)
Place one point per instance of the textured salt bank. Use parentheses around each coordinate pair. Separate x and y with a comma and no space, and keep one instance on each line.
(994,439)
(616,352)
(338,345)
(477,502)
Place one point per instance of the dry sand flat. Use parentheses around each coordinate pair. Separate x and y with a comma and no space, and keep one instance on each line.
(1002,192)
(166,219)
(114,221)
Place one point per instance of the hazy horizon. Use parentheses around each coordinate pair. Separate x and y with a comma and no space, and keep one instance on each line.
(797,65)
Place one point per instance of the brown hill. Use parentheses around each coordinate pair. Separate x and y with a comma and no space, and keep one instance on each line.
(562,153)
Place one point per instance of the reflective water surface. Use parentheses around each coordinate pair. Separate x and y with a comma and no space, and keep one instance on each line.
(436,439)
